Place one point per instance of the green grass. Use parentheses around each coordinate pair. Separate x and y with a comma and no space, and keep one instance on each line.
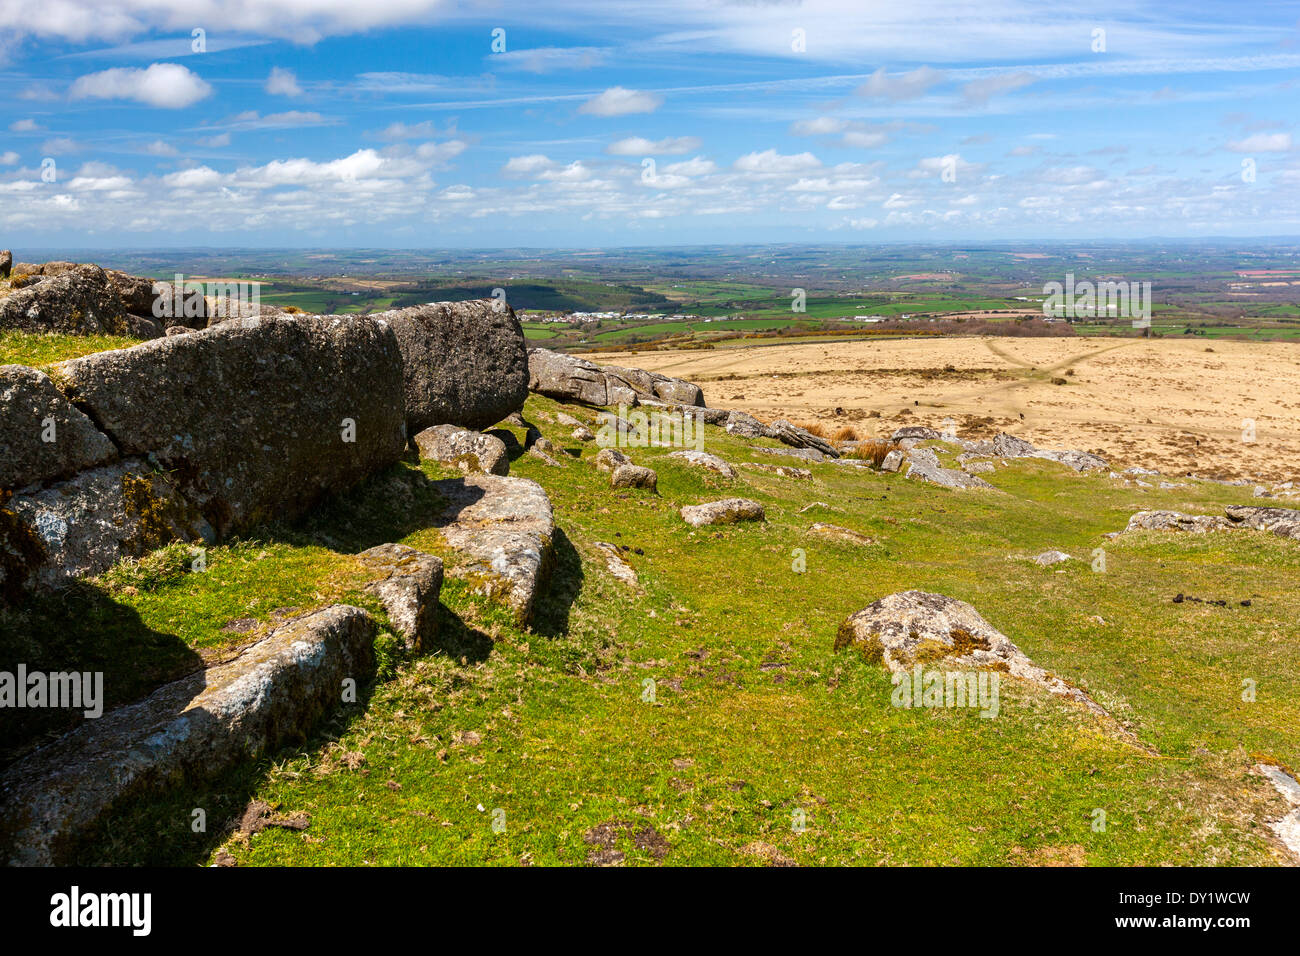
(754,716)
(40,351)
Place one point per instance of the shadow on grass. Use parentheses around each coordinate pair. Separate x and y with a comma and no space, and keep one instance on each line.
(80,628)
(552,608)
(163,829)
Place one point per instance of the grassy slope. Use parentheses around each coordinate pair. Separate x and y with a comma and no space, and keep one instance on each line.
(754,716)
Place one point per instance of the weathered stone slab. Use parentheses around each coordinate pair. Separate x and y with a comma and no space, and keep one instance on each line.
(191,729)
(468,450)
(726,511)
(260,418)
(464,363)
(745,425)
(1009,446)
(796,437)
(504,530)
(1280,521)
(615,563)
(1177,521)
(42,437)
(702,459)
(408,583)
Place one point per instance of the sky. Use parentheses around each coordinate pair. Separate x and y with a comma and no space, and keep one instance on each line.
(590,123)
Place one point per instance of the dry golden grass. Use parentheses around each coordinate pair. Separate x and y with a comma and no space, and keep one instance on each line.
(873,450)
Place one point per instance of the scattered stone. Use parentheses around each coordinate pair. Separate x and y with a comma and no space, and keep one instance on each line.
(703,459)
(609,459)
(726,511)
(1008,446)
(744,425)
(925,467)
(919,628)
(408,587)
(1048,558)
(1287,828)
(615,564)
(835,532)
(583,433)
(465,363)
(634,476)
(783,431)
(1281,521)
(1177,521)
(784,471)
(504,530)
(467,450)
(191,729)
(564,418)
(807,454)
(893,461)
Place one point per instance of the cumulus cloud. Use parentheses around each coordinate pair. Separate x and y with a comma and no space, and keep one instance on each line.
(527,165)
(902,86)
(9,158)
(282,82)
(620,101)
(640,146)
(770,162)
(25,126)
(164,85)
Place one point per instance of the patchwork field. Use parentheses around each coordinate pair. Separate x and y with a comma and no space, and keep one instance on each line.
(1173,405)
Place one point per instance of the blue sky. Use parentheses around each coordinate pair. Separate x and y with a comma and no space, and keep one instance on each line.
(417,123)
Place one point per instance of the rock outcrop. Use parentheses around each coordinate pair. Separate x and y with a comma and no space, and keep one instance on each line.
(191,729)
(468,450)
(80,301)
(1009,446)
(258,419)
(918,627)
(573,379)
(465,363)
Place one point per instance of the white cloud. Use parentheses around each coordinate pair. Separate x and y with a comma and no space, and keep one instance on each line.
(165,85)
(60,146)
(770,162)
(161,148)
(818,126)
(903,86)
(9,158)
(640,146)
(979,91)
(619,101)
(215,142)
(548,59)
(575,172)
(1262,143)
(400,131)
(25,126)
(290,119)
(440,153)
(527,165)
(865,139)
(282,82)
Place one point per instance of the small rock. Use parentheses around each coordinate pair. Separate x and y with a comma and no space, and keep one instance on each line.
(726,511)
(634,476)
